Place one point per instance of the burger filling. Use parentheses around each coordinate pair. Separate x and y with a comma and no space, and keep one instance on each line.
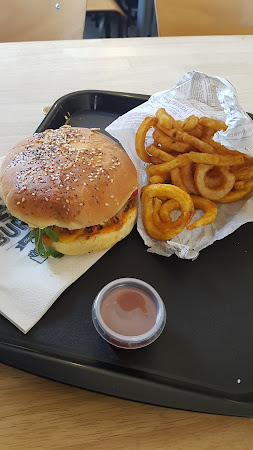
(113,224)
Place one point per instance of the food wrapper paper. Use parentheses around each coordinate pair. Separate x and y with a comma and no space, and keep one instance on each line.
(202,95)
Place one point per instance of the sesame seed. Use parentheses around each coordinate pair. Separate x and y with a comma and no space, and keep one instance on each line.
(111,180)
(23,199)
(112,196)
(18,203)
(106,204)
(80,204)
(33,193)
(67,201)
(84,184)
(46,199)
(58,198)
(64,206)
(67,188)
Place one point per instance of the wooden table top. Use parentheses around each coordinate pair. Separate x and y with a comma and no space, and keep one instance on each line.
(38,413)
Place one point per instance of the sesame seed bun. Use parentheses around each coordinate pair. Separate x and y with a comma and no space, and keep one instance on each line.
(70,177)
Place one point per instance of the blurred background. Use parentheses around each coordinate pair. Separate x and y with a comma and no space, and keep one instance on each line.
(28,20)
(122,22)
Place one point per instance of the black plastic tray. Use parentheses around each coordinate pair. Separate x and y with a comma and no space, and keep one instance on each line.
(203,359)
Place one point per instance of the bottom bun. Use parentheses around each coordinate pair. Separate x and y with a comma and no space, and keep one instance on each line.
(100,241)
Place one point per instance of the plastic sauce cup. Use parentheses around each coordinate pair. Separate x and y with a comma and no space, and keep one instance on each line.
(129,313)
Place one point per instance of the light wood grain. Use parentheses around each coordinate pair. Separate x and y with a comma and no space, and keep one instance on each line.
(40,20)
(37,414)
(34,75)
(198,17)
(41,414)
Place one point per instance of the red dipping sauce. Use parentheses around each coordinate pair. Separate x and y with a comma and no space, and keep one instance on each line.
(128,311)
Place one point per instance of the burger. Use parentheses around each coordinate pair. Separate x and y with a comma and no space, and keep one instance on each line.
(75,187)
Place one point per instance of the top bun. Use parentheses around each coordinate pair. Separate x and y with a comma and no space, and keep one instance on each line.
(69,177)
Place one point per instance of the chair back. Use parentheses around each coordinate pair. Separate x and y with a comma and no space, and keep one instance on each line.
(104,6)
(41,20)
(202,18)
